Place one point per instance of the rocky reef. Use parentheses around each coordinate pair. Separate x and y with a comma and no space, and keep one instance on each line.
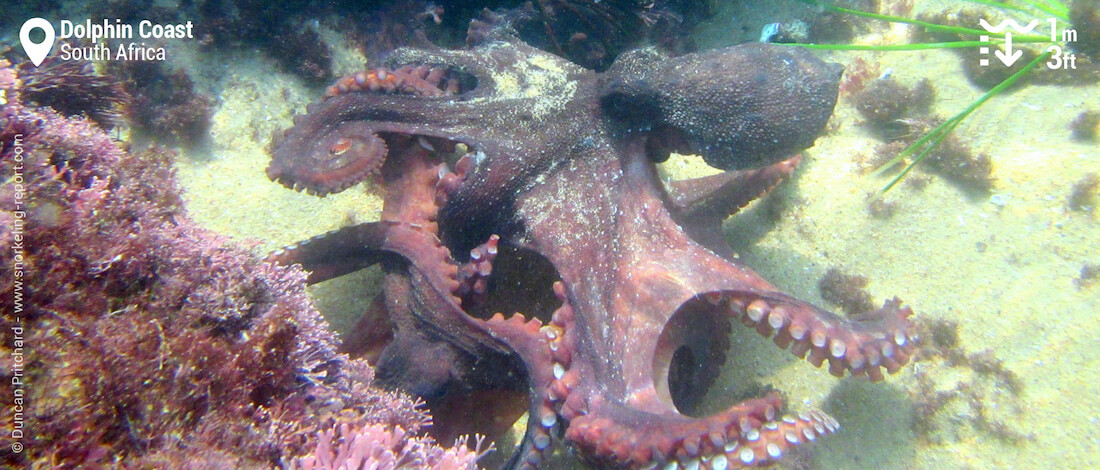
(135,336)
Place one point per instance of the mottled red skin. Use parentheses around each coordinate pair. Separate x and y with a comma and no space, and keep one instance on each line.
(561,169)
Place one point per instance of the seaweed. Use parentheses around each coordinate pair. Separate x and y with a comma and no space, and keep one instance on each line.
(1084,126)
(1084,15)
(1090,273)
(884,101)
(975,400)
(881,209)
(158,343)
(74,88)
(1082,196)
(857,75)
(846,291)
(896,113)
(959,163)
(165,104)
(948,37)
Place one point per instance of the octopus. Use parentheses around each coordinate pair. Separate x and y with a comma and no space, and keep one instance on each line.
(515,181)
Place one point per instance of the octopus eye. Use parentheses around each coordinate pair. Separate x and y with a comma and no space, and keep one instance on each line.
(341,146)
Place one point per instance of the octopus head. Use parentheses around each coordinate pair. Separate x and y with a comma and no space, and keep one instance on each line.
(741,107)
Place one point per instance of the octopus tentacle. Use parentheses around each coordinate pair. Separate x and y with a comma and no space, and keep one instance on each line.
(858,345)
(450,181)
(722,195)
(546,349)
(525,337)
(339,156)
(407,80)
(344,156)
(338,252)
(473,276)
(355,247)
(746,434)
(562,339)
(700,205)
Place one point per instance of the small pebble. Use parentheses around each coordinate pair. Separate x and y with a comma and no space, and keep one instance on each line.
(998,200)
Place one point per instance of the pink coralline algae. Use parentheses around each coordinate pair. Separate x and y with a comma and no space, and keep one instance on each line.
(378,447)
(142,340)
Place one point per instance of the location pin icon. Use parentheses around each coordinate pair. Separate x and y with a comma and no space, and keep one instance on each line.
(37,51)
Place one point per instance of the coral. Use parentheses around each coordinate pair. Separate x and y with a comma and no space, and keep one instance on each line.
(9,81)
(165,103)
(157,343)
(73,88)
(846,291)
(1084,125)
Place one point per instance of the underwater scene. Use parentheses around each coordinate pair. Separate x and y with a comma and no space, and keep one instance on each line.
(556,234)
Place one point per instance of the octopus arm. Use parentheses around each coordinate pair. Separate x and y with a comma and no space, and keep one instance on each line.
(722,195)
(747,434)
(859,345)
(700,205)
(337,253)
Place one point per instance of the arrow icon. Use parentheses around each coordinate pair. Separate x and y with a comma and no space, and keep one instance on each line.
(1008,56)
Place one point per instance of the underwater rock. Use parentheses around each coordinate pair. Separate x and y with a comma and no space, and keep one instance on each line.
(592,33)
(1085,17)
(156,342)
(165,104)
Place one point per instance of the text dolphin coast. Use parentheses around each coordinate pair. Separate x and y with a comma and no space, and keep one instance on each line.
(118,30)
(97,32)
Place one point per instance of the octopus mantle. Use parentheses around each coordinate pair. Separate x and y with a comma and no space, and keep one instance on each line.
(517,181)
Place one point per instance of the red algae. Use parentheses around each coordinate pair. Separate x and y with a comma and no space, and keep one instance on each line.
(145,340)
